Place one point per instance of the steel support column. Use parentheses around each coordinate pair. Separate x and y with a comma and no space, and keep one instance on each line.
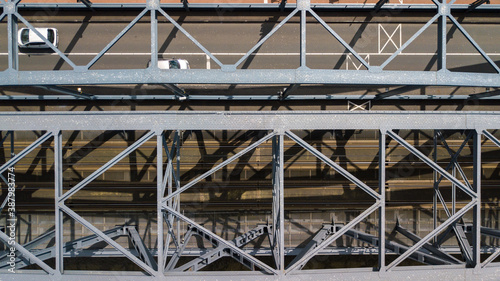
(159,196)
(154,36)
(12,39)
(435,186)
(443,8)
(278,227)
(303,17)
(381,210)
(58,191)
(476,235)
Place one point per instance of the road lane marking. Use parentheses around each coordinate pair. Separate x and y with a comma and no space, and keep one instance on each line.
(389,37)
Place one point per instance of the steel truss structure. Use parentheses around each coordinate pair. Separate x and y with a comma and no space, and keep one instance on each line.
(231,74)
(277,126)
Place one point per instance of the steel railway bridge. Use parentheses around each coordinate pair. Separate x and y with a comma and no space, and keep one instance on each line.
(420,208)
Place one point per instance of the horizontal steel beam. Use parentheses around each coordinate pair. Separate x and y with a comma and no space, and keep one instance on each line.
(255,97)
(259,252)
(248,120)
(250,6)
(249,76)
(422,273)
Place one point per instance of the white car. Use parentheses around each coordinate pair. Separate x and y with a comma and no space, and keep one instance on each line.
(27,38)
(172,64)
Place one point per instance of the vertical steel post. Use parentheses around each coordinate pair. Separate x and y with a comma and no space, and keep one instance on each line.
(443,11)
(381,209)
(275,179)
(154,38)
(454,192)
(168,181)
(58,180)
(476,255)
(12,40)
(436,186)
(170,173)
(177,199)
(159,198)
(282,203)
(303,17)
(278,237)
(12,153)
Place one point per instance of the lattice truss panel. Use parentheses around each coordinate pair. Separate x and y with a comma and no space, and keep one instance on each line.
(275,194)
(358,68)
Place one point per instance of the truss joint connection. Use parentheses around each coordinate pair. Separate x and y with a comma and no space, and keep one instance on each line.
(10,8)
(153,4)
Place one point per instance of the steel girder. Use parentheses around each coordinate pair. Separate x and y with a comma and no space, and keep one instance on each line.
(230,74)
(248,120)
(280,125)
(247,6)
(72,96)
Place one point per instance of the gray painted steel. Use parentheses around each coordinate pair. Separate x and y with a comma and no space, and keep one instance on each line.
(253,6)
(425,273)
(278,124)
(248,120)
(229,74)
(249,76)
(284,97)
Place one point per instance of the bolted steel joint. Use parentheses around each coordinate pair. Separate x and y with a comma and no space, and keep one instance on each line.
(444,10)
(9,7)
(153,4)
(303,4)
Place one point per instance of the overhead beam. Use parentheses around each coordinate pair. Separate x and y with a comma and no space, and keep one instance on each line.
(250,76)
(283,97)
(248,120)
(254,6)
